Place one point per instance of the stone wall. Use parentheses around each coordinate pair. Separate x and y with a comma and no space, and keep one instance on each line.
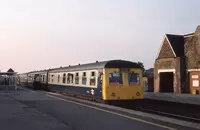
(166,51)
(192,50)
(168,63)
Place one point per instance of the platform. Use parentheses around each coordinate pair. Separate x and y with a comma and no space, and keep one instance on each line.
(33,110)
(180,98)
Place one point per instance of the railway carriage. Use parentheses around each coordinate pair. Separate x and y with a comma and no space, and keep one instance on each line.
(42,81)
(108,80)
(37,79)
(33,80)
(23,79)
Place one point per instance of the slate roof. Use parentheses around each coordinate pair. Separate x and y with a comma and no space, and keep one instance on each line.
(150,71)
(177,43)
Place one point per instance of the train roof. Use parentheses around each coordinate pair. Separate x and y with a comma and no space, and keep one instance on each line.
(38,72)
(99,65)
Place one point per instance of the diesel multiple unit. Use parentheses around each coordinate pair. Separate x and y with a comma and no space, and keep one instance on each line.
(108,80)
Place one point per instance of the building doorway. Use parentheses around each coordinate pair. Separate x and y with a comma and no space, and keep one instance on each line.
(166,82)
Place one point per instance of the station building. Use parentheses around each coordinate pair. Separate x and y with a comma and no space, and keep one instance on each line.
(177,66)
(8,78)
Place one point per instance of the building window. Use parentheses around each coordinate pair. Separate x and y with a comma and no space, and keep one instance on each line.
(58,78)
(77,79)
(64,78)
(84,78)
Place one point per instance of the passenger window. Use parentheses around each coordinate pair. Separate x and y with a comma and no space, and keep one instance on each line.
(84,78)
(64,78)
(92,81)
(133,79)
(77,79)
(84,74)
(115,78)
(93,74)
(72,78)
(68,78)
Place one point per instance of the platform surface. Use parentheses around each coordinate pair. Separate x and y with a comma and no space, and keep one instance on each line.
(180,98)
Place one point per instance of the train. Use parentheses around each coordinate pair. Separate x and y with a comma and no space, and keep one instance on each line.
(112,80)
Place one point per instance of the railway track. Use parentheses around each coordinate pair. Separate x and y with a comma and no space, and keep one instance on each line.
(176,116)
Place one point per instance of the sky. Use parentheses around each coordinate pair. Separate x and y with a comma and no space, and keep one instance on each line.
(42,34)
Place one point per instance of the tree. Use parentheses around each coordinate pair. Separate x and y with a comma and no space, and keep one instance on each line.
(142,66)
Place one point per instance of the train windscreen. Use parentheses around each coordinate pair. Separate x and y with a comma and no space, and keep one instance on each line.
(133,79)
(115,78)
